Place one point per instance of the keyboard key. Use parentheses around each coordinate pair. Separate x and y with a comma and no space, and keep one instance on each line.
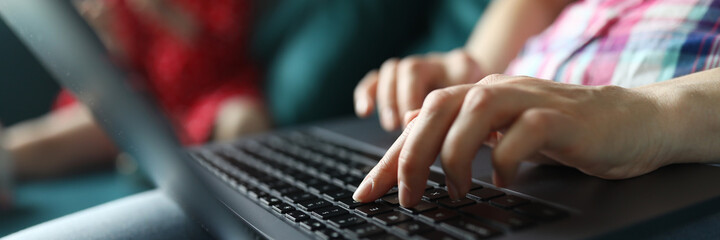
(392,218)
(392,199)
(485,193)
(541,211)
(268,200)
(313,204)
(286,190)
(350,203)
(412,227)
(365,230)
(327,187)
(508,201)
(373,209)
(328,234)
(436,235)
(423,206)
(296,216)
(465,226)
(437,179)
(507,218)
(439,215)
(283,208)
(311,224)
(434,194)
(346,220)
(337,195)
(455,203)
(298,197)
(474,186)
(328,212)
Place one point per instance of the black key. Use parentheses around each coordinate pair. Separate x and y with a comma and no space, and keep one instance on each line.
(436,235)
(392,191)
(283,208)
(474,186)
(509,201)
(346,220)
(465,226)
(437,179)
(541,211)
(439,215)
(485,211)
(392,199)
(455,203)
(299,197)
(328,212)
(485,193)
(392,218)
(337,195)
(296,216)
(313,204)
(311,182)
(328,234)
(312,224)
(350,203)
(423,206)
(286,190)
(365,230)
(435,193)
(324,188)
(373,209)
(269,200)
(412,227)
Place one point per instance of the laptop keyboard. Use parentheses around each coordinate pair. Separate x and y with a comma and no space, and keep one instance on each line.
(309,181)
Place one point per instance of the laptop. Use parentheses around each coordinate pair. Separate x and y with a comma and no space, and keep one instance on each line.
(297,183)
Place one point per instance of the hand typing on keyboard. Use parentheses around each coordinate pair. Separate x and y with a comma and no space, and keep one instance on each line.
(609,132)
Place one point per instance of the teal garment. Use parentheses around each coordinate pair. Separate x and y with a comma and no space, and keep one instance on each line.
(26,89)
(315,52)
(40,201)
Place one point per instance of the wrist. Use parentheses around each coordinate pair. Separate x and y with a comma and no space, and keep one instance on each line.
(687,126)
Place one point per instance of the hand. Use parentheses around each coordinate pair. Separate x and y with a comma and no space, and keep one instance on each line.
(400,85)
(239,116)
(608,132)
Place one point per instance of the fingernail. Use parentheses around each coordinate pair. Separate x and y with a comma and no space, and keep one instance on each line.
(363,190)
(452,190)
(361,106)
(404,195)
(389,119)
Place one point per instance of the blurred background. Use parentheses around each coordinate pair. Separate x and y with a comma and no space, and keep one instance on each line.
(309,55)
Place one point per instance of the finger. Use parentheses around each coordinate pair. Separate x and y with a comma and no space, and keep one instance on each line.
(485,109)
(384,175)
(535,130)
(413,78)
(423,144)
(409,116)
(365,93)
(386,95)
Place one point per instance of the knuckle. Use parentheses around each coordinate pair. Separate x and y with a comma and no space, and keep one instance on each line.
(492,78)
(405,162)
(478,99)
(436,100)
(536,118)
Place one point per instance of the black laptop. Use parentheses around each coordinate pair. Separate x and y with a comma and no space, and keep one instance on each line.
(297,183)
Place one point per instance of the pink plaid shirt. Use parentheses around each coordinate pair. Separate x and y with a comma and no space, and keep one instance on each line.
(624,42)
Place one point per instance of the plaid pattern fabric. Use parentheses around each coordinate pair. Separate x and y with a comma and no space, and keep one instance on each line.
(625,42)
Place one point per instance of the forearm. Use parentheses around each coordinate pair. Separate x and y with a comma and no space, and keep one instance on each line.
(502,32)
(691,113)
(58,143)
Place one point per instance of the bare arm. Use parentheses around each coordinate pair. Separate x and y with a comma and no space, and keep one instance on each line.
(502,32)
(58,143)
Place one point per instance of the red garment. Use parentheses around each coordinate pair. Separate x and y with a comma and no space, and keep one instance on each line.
(188,79)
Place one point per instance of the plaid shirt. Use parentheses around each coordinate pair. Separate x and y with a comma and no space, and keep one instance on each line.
(625,42)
